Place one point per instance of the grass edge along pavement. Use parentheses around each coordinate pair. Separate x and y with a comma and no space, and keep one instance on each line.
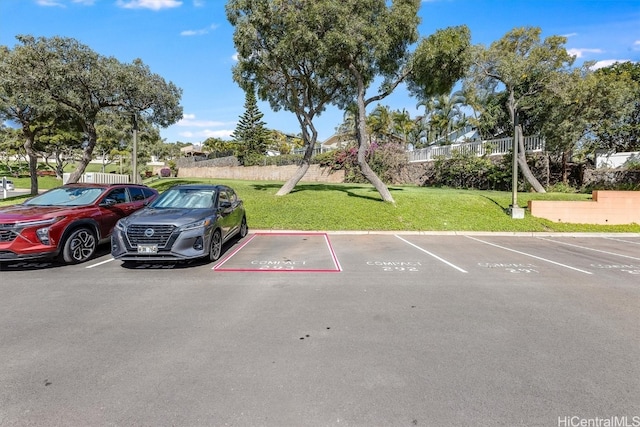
(358,207)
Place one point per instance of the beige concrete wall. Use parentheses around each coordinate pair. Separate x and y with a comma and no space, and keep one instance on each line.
(607,207)
(263,173)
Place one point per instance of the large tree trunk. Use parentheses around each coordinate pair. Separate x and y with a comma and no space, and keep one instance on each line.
(524,167)
(87,155)
(363,144)
(293,181)
(372,177)
(306,160)
(33,160)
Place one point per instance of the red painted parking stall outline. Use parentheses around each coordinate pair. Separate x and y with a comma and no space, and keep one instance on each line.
(337,268)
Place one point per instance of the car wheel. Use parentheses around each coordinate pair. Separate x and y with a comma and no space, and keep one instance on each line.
(243,227)
(79,246)
(216,246)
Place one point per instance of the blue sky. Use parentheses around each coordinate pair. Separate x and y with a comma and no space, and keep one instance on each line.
(189,42)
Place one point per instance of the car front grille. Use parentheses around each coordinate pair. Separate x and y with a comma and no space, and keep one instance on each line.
(149,234)
(7,235)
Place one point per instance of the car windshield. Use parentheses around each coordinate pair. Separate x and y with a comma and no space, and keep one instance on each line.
(189,198)
(67,196)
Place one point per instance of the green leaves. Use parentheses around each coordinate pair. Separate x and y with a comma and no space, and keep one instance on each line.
(439,62)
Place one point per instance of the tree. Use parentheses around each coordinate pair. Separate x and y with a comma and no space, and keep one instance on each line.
(251,134)
(619,129)
(61,139)
(375,43)
(217,147)
(82,84)
(114,137)
(591,109)
(523,66)
(305,55)
(402,125)
(443,114)
(19,103)
(282,52)
(11,148)
(379,123)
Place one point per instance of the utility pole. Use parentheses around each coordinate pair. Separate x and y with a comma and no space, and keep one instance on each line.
(134,155)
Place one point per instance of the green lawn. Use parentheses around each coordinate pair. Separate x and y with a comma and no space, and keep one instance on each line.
(358,207)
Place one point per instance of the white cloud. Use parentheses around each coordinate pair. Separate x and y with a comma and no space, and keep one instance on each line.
(49,3)
(202,135)
(222,133)
(198,3)
(636,45)
(200,32)
(579,53)
(607,63)
(235,57)
(211,128)
(60,3)
(148,4)
(190,120)
(570,35)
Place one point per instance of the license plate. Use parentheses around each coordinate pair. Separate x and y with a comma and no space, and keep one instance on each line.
(147,249)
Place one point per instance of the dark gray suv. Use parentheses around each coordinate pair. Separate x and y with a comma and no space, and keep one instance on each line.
(185,222)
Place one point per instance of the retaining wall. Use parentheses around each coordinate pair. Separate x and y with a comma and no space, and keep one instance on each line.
(263,173)
(607,207)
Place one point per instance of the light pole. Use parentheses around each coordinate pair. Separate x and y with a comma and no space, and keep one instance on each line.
(134,155)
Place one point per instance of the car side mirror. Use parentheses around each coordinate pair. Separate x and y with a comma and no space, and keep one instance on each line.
(108,202)
(225,205)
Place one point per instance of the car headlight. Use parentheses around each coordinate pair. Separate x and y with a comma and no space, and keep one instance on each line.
(120,225)
(198,224)
(43,231)
(41,222)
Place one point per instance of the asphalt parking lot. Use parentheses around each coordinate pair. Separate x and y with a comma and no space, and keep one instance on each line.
(315,329)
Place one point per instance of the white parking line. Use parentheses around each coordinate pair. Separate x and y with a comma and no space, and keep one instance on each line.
(624,241)
(529,255)
(228,257)
(590,249)
(431,254)
(100,263)
(336,263)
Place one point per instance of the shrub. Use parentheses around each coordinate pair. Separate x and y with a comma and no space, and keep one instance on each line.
(561,187)
(165,172)
(385,160)
(463,170)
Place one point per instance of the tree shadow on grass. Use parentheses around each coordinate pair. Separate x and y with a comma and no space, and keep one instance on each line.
(350,190)
(503,208)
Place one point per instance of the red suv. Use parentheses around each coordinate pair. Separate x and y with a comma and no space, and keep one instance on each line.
(68,221)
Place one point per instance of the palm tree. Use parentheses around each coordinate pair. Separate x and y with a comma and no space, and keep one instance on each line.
(402,125)
(444,114)
(380,124)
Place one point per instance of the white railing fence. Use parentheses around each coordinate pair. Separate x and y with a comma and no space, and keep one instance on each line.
(494,147)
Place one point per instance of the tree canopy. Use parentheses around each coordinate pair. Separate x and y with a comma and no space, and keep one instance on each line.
(42,77)
(251,134)
(524,66)
(303,56)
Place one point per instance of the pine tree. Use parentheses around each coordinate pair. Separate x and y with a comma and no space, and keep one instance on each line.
(250,133)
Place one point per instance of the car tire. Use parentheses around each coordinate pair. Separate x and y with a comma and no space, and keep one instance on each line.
(215,249)
(244,230)
(79,246)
